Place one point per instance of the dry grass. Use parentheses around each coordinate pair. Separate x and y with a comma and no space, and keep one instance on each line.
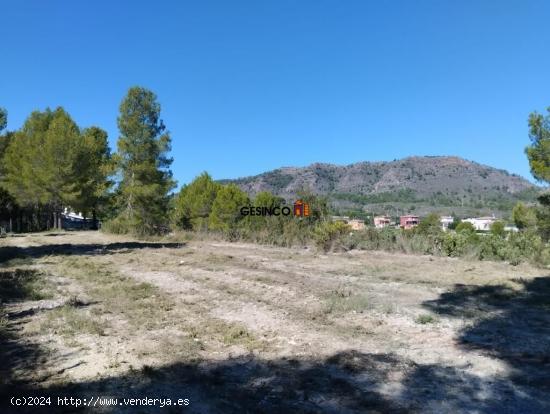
(129,308)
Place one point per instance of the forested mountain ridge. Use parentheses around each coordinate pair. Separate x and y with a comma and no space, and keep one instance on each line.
(437,181)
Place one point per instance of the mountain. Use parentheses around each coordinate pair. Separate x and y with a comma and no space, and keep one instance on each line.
(414,184)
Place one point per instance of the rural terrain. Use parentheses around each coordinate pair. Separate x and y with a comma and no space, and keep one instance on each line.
(243,328)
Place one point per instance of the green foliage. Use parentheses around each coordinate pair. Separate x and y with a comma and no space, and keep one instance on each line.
(465,227)
(425,318)
(538,152)
(455,223)
(143,164)
(431,224)
(193,204)
(403,196)
(524,217)
(95,168)
(318,206)
(516,247)
(497,229)
(3,119)
(327,234)
(49,162)
(543,222)
(226,207)
(259,223)
(277,179)
(459,243)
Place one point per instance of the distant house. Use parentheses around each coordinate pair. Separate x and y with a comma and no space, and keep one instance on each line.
(446,221)
(381,221)
(408,222)
(72,220)
(355,224)
(481,223)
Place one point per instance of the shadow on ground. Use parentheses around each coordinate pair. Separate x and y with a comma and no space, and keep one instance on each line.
(510,322)
(65,249)
(347,382)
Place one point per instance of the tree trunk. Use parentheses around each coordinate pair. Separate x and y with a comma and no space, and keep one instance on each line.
(60,220)
(94,219)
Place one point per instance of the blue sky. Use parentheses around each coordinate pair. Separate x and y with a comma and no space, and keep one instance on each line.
(248,86)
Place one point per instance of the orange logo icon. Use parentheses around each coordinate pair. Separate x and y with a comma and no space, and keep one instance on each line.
(301,209)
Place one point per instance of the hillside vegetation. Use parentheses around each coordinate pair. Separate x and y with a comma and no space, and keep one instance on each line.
(413,184)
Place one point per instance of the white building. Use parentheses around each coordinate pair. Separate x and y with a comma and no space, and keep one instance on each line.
(445,222)
(382,221)
(481,223)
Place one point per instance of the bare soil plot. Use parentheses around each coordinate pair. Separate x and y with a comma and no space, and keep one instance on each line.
(245,328)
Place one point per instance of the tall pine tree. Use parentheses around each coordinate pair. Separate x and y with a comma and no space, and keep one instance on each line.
(143,164)
(50,165)
(95,168)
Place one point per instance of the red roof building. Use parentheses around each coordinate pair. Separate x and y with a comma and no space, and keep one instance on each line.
(408,222)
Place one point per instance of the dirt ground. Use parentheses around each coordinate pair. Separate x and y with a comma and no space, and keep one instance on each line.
(242,328)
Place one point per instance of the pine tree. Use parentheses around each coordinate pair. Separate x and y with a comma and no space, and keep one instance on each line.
(7,202)
(226,208)
(142,160)
(37,163)
(95,168)
(3,119)
(538,152)
(23,161)
(49,165)
(194,202)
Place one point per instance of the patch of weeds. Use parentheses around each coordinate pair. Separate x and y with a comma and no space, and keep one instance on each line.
(425,319)
(265,280)
(140,291)
(69,322)
(180,347)
(388,309)
(343,300)
(143,304)
(236,334)
(22,284)
(18,261)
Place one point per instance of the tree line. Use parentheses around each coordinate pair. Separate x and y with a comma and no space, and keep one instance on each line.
(51,164)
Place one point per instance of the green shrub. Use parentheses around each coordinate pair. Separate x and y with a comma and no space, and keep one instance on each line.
(458,244)
(497,229)
(431,224)
(492,247)
(328,234)
(425,318)
(465,227)
(122,225)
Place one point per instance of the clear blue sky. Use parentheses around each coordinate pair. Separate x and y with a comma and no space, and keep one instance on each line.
(248,86)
